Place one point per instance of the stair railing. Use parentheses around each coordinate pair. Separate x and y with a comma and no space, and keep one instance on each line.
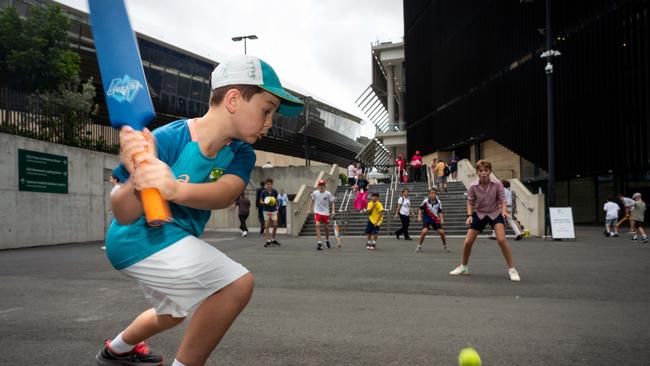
(345,195)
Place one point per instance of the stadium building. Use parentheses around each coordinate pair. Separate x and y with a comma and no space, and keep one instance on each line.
(179,83)
(477,85)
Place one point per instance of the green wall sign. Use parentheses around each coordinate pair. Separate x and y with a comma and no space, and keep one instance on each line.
(40,172)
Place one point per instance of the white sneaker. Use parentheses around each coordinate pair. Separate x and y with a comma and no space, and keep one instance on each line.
(460,271)
(514,275)
(418,249)
(244,234)
(103,247)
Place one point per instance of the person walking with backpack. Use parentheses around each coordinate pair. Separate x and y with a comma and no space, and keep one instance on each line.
(404,211)
(442,172)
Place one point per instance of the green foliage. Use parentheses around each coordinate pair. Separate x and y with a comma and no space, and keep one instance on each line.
(343,178)
(77,101)
(34,52)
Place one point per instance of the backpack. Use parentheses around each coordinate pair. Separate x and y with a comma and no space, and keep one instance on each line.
(446,172)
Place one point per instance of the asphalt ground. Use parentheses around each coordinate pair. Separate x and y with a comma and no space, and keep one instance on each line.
(583,302)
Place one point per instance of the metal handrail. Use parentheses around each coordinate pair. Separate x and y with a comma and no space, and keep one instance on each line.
(347,203)
(345,194)
(524,203)
(386,200)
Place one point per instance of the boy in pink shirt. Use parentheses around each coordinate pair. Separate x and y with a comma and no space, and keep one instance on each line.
(487,196)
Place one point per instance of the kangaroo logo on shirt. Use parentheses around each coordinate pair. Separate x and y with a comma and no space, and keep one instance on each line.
(215,174)
(184,178)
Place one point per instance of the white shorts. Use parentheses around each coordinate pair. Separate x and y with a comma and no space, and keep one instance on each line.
(185,273)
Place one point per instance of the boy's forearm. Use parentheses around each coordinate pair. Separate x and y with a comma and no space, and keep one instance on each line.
(210,196)
(470,209)
(126,204)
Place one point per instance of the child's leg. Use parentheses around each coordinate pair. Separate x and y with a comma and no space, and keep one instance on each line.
(212,319)
(267,224)
(327,231)
(423,234)
(275,228)
(147,325)
(405,224)
(641,230)
(467,247)
(607,227)
(441,232)
(500,230)
(318,230)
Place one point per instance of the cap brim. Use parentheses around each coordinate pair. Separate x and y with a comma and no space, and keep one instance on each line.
(290,105)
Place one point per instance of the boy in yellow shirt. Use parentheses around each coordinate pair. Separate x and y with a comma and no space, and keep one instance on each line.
(375,218)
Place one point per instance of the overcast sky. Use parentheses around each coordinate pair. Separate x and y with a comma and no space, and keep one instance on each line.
(318,47)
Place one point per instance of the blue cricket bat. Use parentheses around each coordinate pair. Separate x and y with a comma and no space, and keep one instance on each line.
(125,87)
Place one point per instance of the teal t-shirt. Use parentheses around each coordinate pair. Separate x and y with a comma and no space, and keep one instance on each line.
(129,244)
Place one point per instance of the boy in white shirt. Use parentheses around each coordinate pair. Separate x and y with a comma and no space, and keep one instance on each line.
(611,216)
(321,201)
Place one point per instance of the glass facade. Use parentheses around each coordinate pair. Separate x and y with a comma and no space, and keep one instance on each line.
(179,82)
(341,124)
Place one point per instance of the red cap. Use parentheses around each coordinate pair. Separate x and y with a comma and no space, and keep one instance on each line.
(321,182)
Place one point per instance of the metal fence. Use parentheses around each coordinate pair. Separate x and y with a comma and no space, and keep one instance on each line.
(30,116)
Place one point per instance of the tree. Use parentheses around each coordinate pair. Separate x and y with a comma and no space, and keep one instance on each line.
(34,52)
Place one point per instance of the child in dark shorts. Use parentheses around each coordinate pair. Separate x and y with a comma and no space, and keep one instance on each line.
(487,196)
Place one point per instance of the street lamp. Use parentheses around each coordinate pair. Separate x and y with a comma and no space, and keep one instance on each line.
(239,38)
(549,54)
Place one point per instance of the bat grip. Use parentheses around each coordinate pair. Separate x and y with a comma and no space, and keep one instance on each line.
(156,209)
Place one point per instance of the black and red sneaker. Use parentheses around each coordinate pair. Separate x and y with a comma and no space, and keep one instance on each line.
(140,355)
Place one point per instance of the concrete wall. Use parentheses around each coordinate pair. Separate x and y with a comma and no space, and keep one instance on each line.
(280,160)
(35,218)
(505,163)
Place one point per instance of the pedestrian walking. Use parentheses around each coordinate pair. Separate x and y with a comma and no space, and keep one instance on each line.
(283,200)
(243,205)
(638,217)
(611,217)
(403,209)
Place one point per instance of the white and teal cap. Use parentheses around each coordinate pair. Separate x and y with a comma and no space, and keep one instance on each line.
(249,70)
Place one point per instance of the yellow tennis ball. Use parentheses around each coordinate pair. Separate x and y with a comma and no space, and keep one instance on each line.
(469,357)
(270,200)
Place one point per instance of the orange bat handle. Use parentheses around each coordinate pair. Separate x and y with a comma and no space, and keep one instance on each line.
(156,209)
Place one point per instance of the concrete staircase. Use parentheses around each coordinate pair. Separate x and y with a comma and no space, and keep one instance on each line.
(353,223)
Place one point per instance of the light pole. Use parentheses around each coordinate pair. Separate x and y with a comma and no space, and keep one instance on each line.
(239,38)
(550,110)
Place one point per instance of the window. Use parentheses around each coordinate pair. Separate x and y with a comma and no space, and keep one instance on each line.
(197,90)
(170,84)
(183,86)
(154,77)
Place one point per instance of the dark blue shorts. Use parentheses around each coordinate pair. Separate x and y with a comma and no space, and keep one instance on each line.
(371,229)
(426,224)
(479,224)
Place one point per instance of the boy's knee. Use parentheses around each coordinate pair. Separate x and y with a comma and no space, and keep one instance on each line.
(243,287)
